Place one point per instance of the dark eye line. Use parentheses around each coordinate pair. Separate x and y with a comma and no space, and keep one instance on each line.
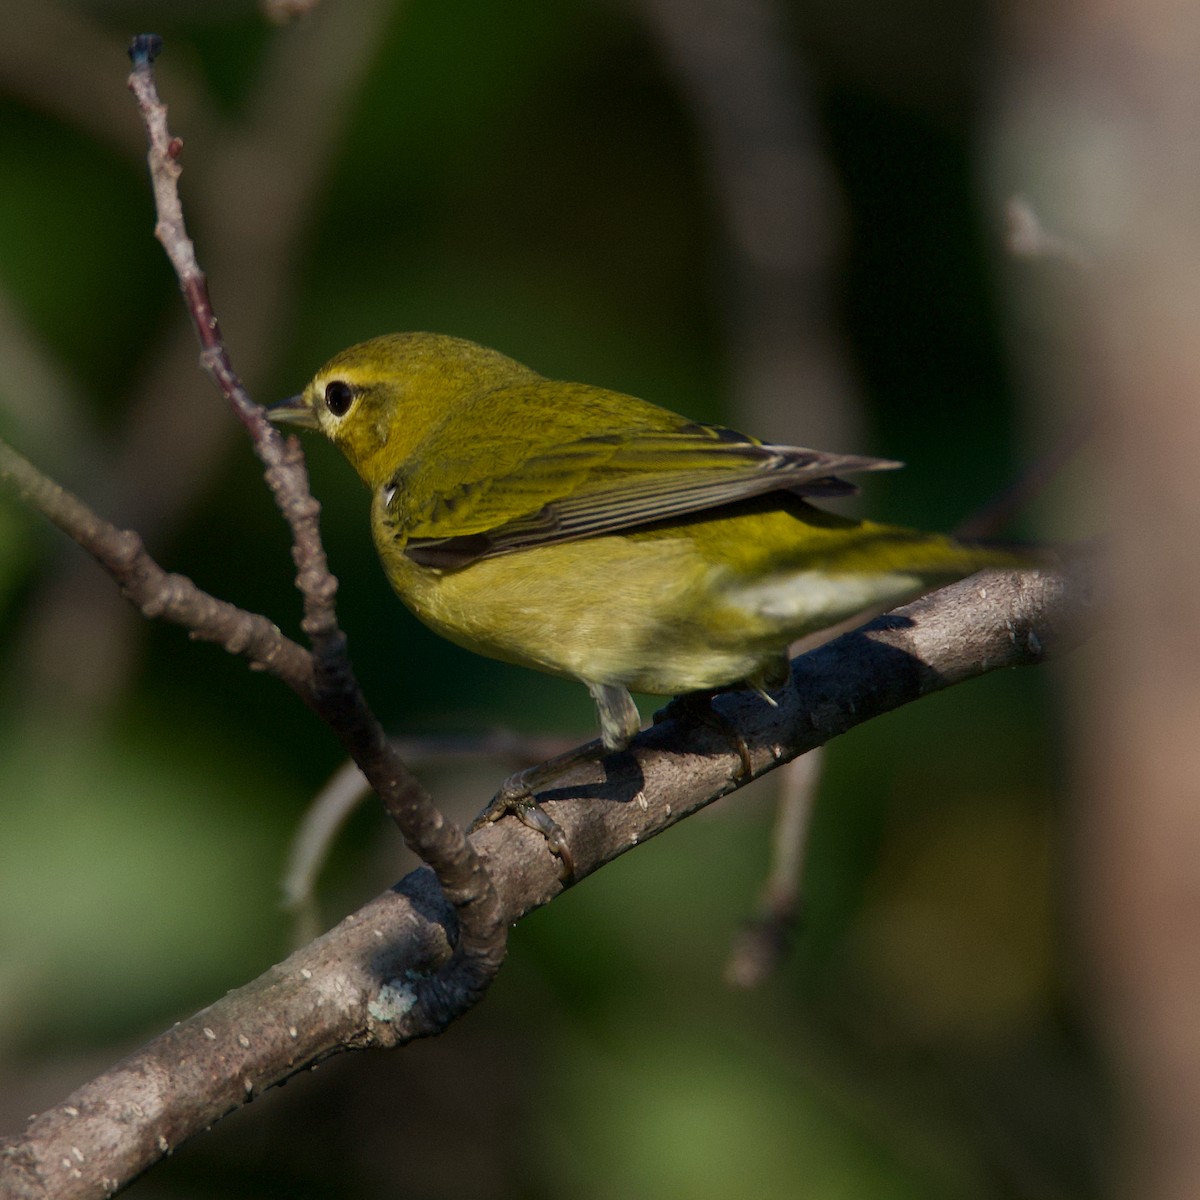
(339,395)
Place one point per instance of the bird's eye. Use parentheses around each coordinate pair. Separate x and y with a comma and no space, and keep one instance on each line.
(339,395)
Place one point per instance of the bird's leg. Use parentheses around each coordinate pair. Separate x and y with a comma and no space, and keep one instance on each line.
(619,722)
(619,717)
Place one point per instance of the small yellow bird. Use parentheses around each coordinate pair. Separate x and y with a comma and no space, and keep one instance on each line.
(593,535)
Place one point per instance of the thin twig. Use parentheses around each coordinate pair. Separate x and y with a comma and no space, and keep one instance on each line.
(434,839)
(278,146)
(763,942)
(155,592)
(347,788)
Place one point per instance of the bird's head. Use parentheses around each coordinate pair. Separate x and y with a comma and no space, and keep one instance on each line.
(377,401)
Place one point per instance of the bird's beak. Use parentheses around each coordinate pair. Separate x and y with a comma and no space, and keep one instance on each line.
(294,411)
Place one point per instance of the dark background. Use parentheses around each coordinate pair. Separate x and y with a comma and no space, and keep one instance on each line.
(540,178)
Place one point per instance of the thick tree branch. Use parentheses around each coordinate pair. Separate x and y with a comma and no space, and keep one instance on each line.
(359,985)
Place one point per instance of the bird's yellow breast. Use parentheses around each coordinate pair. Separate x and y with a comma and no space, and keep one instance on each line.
(665,611)
(608,610)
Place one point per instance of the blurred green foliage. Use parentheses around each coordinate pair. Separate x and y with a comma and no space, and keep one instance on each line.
(530,176)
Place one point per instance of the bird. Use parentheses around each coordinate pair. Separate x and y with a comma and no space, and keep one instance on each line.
(590,534)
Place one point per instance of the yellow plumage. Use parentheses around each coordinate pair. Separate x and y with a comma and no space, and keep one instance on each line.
(591,534)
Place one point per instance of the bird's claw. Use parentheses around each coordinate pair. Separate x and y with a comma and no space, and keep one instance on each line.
(516,797)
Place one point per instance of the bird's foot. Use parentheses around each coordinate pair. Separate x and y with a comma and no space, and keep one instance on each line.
(696,707)
(516,796)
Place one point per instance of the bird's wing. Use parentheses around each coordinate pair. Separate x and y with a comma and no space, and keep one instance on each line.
(613,482)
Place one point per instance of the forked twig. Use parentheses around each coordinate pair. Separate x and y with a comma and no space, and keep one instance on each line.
(338,698)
